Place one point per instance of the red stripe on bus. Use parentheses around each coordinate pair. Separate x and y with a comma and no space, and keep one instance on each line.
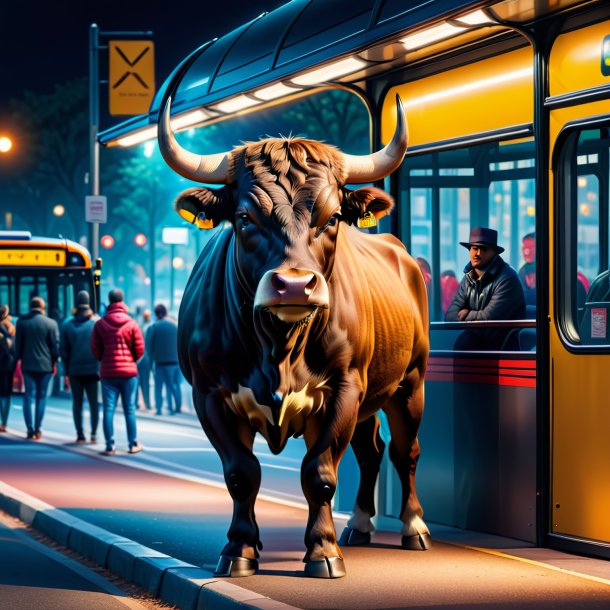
(504,380)
(470,362)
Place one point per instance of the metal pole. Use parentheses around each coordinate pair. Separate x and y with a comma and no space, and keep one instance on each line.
(94,150)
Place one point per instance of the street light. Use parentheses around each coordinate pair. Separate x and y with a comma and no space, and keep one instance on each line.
(140,240)
(5,144)
(59,210)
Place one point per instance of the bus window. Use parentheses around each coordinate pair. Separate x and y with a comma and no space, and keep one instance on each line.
(5,296)
(29,287)
(583,281)
(448,192)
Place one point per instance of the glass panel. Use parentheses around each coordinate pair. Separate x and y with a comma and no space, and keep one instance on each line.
(421,232)
(586,289)
(29,287)
(450,192)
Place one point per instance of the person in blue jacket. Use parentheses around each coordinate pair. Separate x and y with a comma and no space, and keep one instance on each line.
(37,346)
(82,368)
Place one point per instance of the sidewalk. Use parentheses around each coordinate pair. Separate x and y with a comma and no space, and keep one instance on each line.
(47,485)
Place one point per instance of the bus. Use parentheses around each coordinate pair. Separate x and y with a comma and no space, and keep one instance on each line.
(52,268)
(508,105)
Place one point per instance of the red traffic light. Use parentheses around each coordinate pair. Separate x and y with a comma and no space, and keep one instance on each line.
(107,241)
(140,239)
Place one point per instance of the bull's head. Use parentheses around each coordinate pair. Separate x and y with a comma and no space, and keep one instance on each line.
(286,199)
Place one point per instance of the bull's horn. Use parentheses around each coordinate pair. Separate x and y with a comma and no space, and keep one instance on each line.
(378,165)
(211,169)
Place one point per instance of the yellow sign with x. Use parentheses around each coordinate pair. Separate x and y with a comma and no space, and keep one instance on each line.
(131,83)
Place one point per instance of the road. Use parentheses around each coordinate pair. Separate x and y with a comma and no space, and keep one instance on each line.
(31,572)
(174,445)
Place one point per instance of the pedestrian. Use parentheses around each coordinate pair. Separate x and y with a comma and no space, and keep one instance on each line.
(82,368)
(144,364)
(118,343)
(7,364)
(162,347)
(37,346)
(490,290)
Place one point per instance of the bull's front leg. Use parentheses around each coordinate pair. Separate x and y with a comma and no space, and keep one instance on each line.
(327,436)
(233,439)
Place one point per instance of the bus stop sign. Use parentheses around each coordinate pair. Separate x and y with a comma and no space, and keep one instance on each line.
(95,208)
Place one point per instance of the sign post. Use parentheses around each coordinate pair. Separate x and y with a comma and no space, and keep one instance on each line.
(94,119)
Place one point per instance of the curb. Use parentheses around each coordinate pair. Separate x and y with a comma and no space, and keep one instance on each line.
(176,582)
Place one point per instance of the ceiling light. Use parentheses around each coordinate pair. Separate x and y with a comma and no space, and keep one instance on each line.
(235,104)
(189,118)
(326,73)
(275,91)
(477,18)
(138,137)
(434,34)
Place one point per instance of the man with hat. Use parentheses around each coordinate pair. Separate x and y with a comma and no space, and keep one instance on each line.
(490,290)
(81,367)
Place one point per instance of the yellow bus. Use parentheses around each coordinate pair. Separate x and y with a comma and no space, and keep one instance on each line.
(52,268)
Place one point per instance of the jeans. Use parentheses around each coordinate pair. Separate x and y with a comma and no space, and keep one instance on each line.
(81,384)
(127,389)
(144,375)
(36,386)
(6,389)
(168,375)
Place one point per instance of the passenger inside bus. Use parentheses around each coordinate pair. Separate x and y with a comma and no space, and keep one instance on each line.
(527,272)
(490,290)
(424,267)
(449,286)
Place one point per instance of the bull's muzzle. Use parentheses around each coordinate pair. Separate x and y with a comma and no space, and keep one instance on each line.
(291,294)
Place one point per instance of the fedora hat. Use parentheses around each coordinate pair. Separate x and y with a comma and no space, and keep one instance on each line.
(482,236)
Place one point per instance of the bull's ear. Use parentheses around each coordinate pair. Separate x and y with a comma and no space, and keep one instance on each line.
(366,206)
(203,207)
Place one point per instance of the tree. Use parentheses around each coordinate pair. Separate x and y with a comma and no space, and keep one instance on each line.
(139,200)
(55,137)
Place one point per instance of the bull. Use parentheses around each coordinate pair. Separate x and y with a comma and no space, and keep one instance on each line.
(296,323)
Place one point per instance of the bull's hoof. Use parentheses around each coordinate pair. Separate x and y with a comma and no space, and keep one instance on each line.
(329,567)
(235,566)
(352,537)
(419,542)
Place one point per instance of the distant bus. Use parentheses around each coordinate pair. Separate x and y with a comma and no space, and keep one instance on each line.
(53,268)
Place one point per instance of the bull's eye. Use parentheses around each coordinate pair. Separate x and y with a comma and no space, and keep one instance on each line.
(332,221)
(245,219)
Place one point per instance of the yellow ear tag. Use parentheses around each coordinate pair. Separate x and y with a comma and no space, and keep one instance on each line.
(367,220)
(204,223)
(201,222)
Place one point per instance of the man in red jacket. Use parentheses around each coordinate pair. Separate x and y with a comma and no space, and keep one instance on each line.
(117,342)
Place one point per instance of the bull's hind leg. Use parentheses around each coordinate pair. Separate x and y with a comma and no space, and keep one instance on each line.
(233,440)
(368,449)
(404,453)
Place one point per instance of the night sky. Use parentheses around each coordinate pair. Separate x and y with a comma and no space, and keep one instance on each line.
(42,43)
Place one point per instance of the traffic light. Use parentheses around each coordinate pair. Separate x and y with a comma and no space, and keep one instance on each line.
(107,241)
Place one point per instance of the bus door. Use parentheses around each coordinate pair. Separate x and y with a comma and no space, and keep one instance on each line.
(579,359)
